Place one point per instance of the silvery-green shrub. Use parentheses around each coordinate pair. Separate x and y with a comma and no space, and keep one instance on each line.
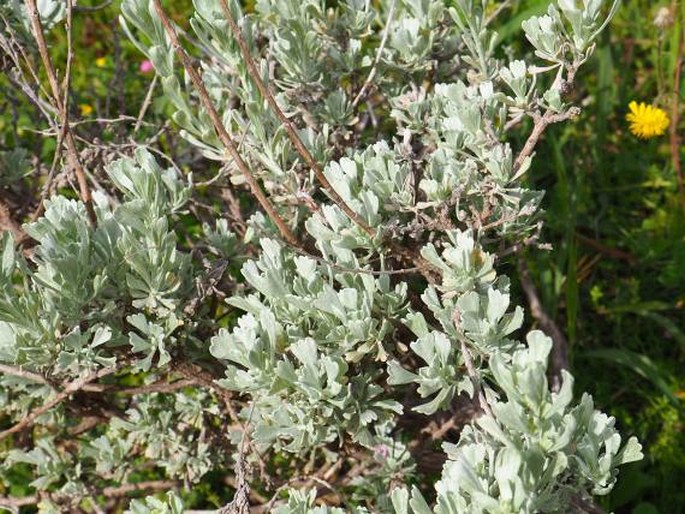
(323,352)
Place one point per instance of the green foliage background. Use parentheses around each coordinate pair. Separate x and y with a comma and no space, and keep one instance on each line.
(615,279)
(624,313)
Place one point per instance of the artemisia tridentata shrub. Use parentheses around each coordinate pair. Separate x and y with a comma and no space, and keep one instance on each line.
(341,353)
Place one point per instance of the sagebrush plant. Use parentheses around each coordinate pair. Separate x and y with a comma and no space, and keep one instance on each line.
(320,351)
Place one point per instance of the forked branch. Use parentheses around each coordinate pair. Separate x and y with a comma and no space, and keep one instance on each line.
(59,102)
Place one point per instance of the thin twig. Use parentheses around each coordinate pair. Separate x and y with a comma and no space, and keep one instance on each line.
(123,118)
(66,83)
(146,104)
(47,187)
(514,121)
(22,373)
(377,60)
(611,252)
(63,115)
(18,80)
(343,269)
(15,503)
(541,123)
(99,7)
(160,386)
(225,138)
(72,153)
(227,190)
(470,368)
(18,71)
(109,492)
(497,12)
(559,355)
(287,124)
(226,165)
(201,377)
(204,378)
(123,490)
(70,389)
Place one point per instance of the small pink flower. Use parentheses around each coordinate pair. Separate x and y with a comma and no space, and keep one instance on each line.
(381,452)
(146,66)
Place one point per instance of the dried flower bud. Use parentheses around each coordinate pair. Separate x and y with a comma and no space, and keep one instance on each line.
(663,18)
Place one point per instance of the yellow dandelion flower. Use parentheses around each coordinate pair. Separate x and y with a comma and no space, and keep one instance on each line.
(646,121)
(86,110)
(101,62)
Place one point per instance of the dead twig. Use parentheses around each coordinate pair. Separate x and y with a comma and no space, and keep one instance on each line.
(160,386)
(146,104)
(203,378)
(559,355)
(611,252)
(307,479)
(342,269)
(156,485)
(16,75)
(377,59)
(63,121)
(99,7)
(72,153)
(501,7)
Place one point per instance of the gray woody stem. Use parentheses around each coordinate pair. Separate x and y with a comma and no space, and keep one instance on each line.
(287,124)
(559,356)
(109,492)
(541,123)
(225,138)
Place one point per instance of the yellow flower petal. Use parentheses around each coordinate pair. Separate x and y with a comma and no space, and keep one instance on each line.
(86,110)
(101,62)
(646,121)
